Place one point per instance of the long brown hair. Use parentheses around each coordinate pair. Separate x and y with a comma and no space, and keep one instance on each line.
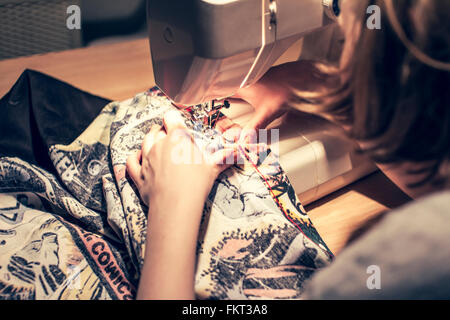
(392,100)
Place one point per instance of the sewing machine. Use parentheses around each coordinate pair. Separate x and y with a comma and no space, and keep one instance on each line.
(205,50)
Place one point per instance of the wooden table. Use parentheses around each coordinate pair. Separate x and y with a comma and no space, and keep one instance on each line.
(118,71)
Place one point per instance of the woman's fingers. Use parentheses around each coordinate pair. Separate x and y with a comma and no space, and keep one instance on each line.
(160,135)
(257,148)
(173,120)
(232,134)
(134,167)
(151,138)
(260,120)
(223,124)
(226,157)
(263,116)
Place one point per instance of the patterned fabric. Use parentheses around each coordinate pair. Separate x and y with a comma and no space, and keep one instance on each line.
(80,233)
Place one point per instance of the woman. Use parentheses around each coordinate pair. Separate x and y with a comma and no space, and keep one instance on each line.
(391,93)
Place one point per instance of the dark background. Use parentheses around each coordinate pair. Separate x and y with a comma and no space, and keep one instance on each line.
(111,20)
(29,27)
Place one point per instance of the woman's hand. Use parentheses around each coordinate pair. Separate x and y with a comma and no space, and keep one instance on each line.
(271,94)
(170,166)
(174,178)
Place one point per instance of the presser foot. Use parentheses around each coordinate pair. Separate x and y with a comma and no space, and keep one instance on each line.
(207,114)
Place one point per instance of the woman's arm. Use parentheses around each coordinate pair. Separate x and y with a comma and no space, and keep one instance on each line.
(168,271)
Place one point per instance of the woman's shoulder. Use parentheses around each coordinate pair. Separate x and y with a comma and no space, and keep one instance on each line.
(404,256)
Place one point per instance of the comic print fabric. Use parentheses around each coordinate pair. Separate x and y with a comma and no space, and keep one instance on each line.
(76,228)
